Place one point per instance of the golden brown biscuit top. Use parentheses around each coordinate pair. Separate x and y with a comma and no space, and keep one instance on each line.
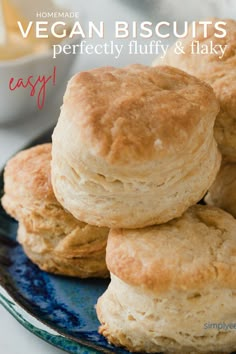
(220,73)
(137,113)
(189,253)
(28,175)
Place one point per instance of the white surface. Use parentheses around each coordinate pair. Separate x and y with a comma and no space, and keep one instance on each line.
(14,339)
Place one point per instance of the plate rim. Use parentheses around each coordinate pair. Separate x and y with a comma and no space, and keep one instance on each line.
(55,339)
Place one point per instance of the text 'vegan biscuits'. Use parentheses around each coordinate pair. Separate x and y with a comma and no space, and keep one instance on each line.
(51,237)
(170,283)
(217,70)
(134,146)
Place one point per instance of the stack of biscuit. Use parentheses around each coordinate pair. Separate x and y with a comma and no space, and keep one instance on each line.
(138,153)
(134,152)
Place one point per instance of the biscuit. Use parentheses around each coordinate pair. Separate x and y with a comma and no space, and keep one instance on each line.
(134,146)
(51,237)
(220,73)
(170,283)
(223,191)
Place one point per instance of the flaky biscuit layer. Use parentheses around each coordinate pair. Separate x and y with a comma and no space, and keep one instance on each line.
(134,146)
(173,286)
(51,237)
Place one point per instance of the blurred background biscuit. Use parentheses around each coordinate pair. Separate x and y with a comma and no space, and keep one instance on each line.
(217,71)
(223,191)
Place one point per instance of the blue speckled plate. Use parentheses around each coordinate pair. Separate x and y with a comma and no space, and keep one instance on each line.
(59,310)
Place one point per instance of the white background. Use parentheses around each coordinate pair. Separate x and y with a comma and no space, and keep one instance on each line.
(14,339)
